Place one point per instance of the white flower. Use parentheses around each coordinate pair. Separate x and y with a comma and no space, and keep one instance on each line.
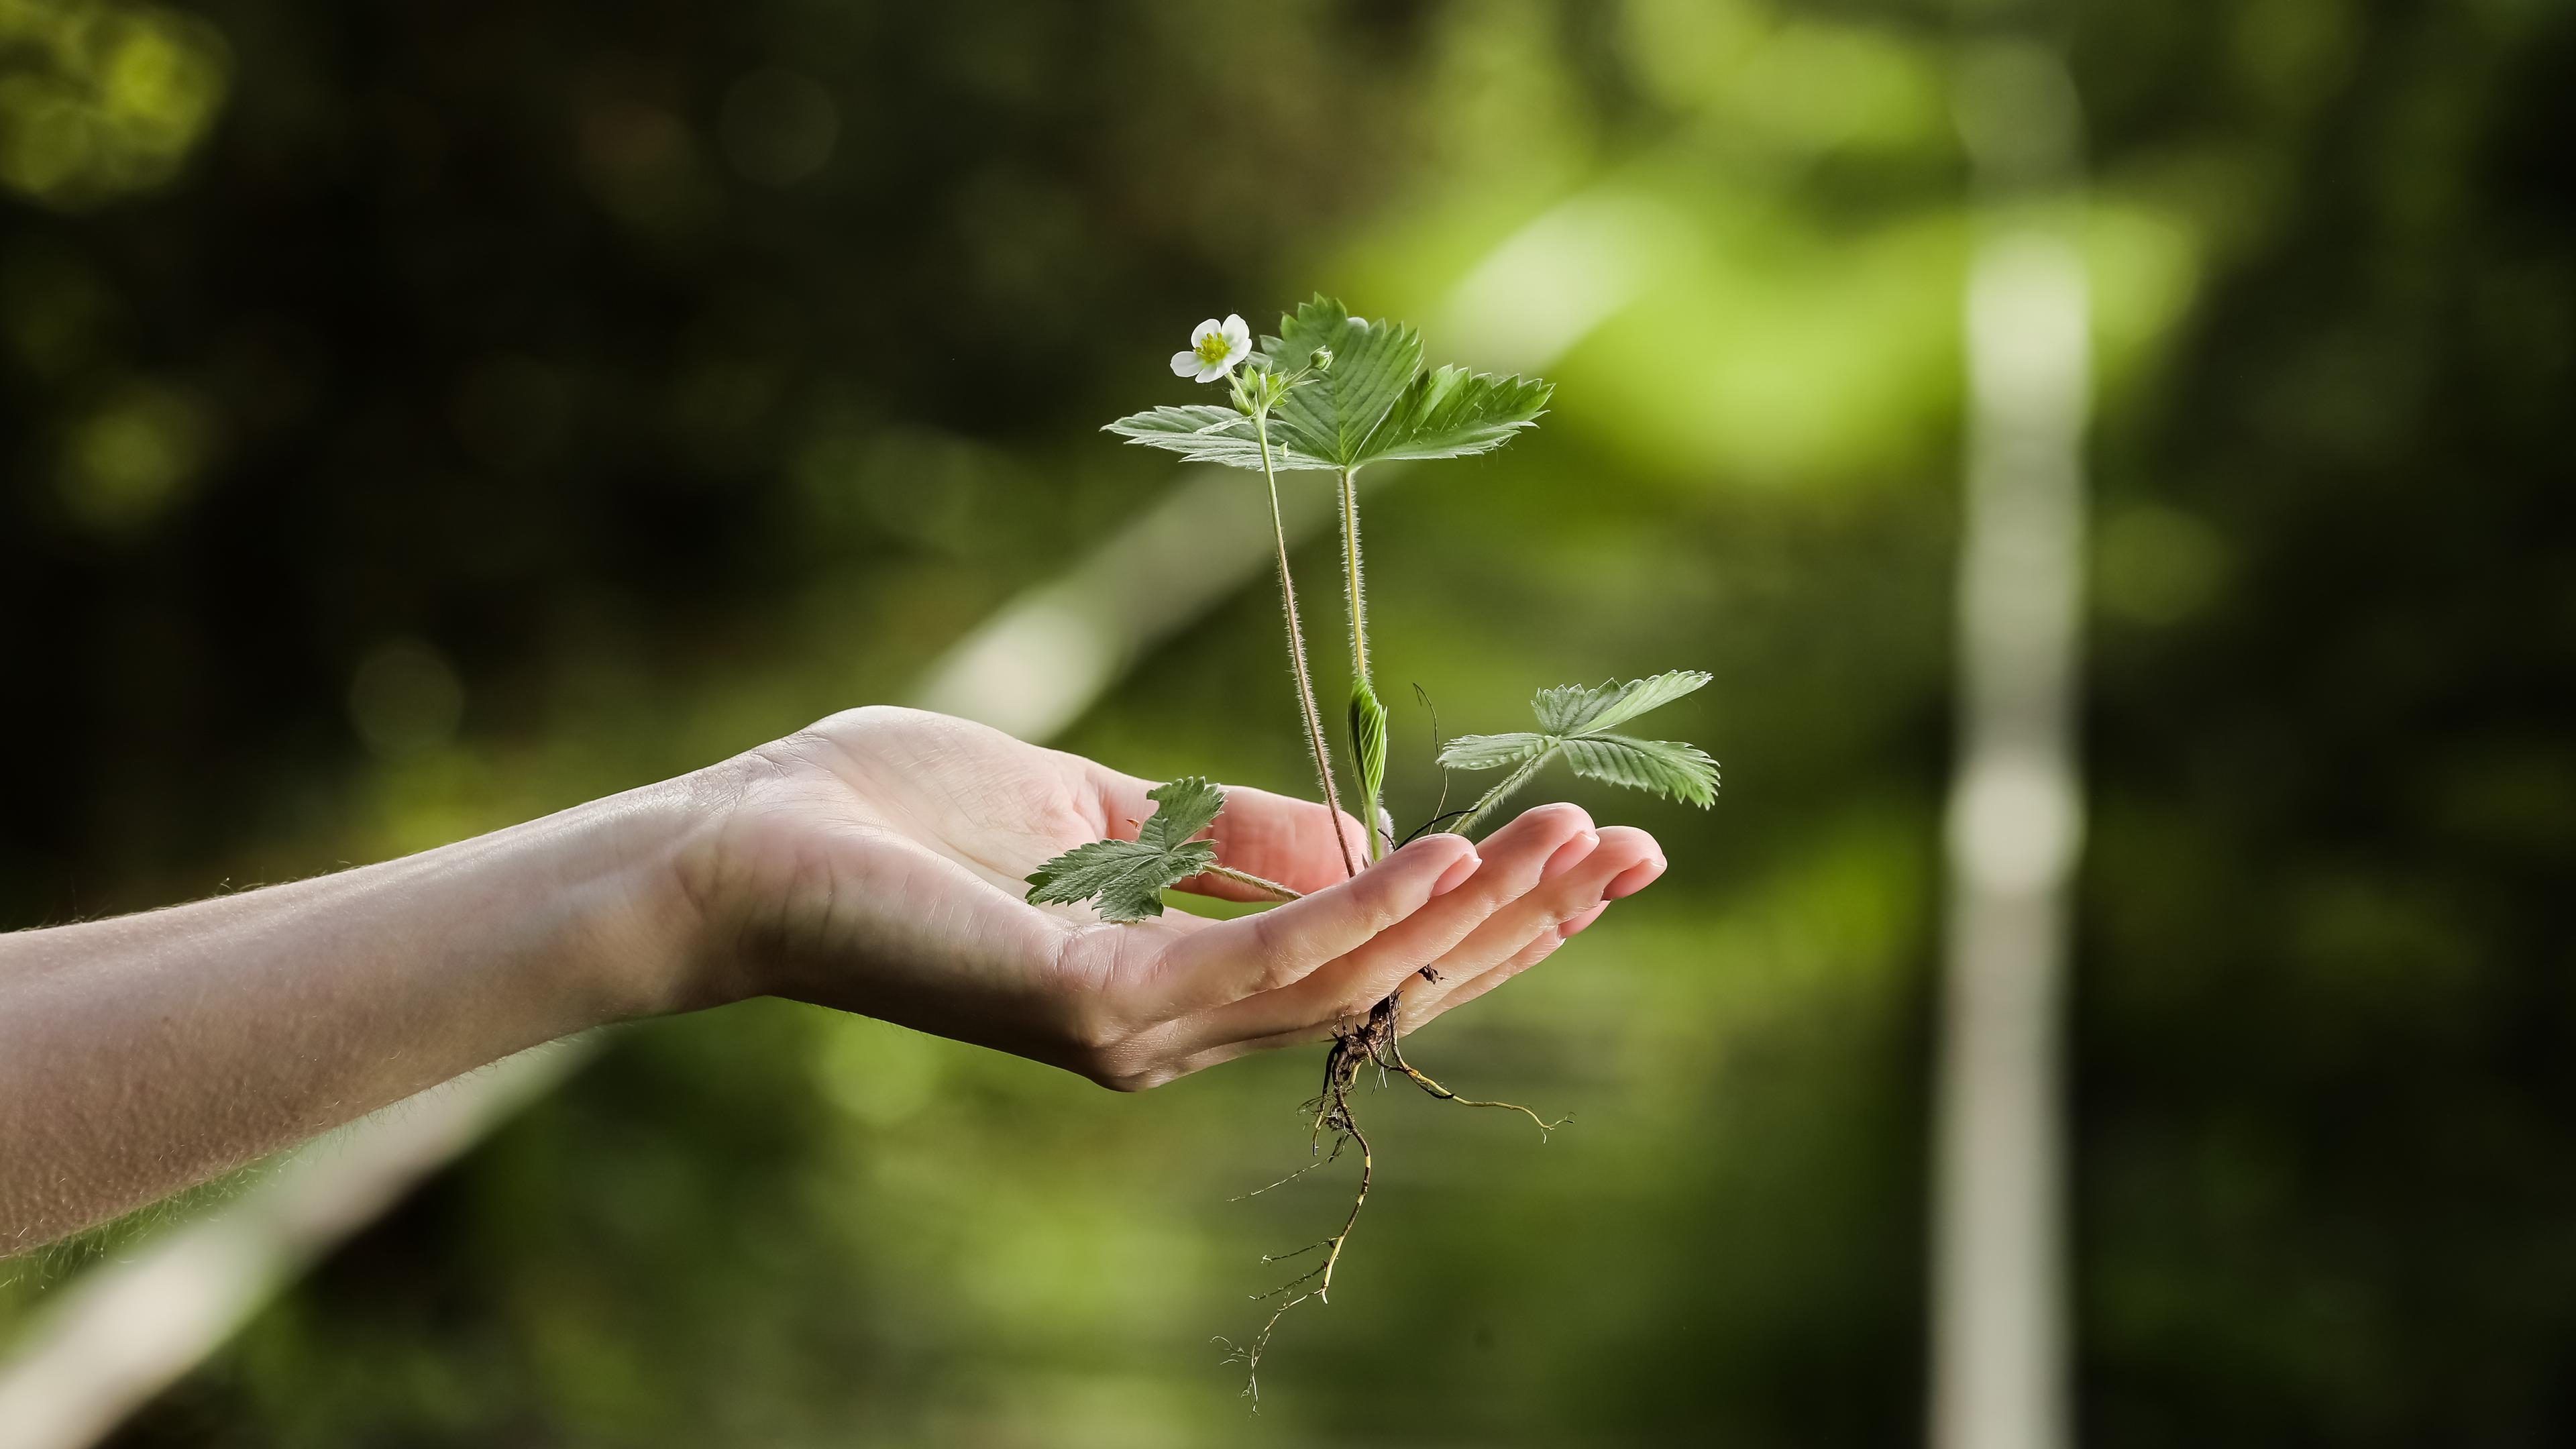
(1215,347)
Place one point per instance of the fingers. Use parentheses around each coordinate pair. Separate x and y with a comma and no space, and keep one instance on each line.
(1420,1013)
(1567,931)
(1227,961)
(1272,836)
(1280,838)
(1413,1015)
(1517,859)
(1627,862)
(1514,940)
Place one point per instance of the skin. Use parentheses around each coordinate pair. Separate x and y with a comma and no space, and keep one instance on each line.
(873,863)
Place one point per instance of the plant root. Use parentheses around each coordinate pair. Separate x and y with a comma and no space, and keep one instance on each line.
(1375,1042)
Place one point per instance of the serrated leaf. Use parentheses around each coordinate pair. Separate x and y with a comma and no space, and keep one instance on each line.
(1126,878)
(1640,695)
(1574,721)
(1450,412)
(1564,708)
(1574,709)
(1184,807)
(1205,434)
(1492,752)
(1332,414)
(1669,768)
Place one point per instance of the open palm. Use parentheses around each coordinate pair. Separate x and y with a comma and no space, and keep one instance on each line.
(877,863)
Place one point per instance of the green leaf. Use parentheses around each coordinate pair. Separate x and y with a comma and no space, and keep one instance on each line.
(1640,695)
(1204,434)
(1565,708)
(1331,415)
(1374,404)
(1574,709)
(1493,752)
(1187,806)
(1574,721)
(1673,770)
(1127,878)
(1450,412)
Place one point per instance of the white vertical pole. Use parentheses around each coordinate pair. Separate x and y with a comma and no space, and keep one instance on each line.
(1999,1337)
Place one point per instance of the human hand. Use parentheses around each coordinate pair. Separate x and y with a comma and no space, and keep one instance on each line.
(877,863)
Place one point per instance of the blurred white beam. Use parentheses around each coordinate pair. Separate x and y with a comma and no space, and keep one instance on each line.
(1047,656)
(107,1343)
(1555,280)
(127,1329)
(1999,1336)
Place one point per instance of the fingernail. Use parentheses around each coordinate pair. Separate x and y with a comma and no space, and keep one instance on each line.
(1456,875)
(1575,925)
(1570,854)
(1634,879)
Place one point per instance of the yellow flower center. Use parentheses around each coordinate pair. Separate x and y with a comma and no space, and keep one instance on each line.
(1212,348)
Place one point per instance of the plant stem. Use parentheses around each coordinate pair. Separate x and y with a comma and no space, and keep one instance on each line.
(1297,650)
(1245,877)
(1368,804)
(1351,572)
(1494,797)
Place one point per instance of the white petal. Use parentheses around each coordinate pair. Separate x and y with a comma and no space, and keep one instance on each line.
(1205,330)
(1237,348)
(1236,333)
(1184,363)
(1215,370)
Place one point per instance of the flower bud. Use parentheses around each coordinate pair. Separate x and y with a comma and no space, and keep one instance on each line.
(1323,359)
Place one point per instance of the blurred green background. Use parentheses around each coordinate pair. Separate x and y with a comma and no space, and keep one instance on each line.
(420,416)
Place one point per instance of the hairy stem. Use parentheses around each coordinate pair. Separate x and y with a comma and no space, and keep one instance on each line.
(1496,795)
(1245,877)
(1358,604)
(1297,650)
(1351,572)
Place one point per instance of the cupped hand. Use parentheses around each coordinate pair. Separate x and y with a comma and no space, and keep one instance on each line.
(877,863)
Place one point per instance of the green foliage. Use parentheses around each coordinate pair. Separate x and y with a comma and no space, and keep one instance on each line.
(1373,404)
(1668,768)
(1127,878)
(1451,412)
(1205,434)
(1571,709)
(1345,392)
(1333,416)
(1574,721)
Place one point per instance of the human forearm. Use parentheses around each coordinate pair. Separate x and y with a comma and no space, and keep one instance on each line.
(141,1054)
(876,863)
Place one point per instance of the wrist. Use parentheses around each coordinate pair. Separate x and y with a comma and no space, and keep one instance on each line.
(635,928)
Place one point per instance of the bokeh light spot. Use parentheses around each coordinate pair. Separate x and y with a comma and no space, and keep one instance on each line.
(130,458)
(99,100)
